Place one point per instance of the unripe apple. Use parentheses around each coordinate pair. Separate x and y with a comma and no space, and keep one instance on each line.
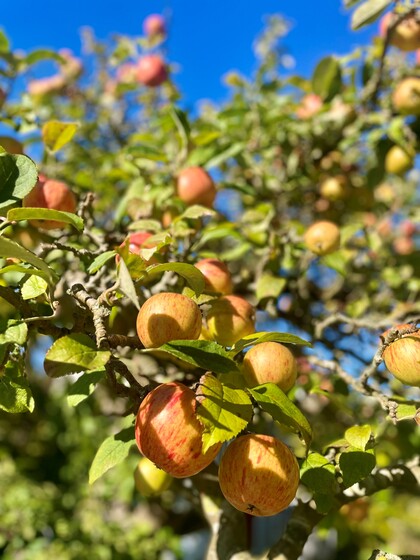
(334,188)
(398,161)
(149,479)
(406,97)
(270,362)
(168,316)
(229,319)
(151,70)
(11,145)
(154,25)
(259,475)
(53,195)
(309,106)
(195,186)
(168,432)
(402,357)
(216,275)
(406,36)
(322,238)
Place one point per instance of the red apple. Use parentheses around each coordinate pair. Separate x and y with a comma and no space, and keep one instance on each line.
(406,96)
(322,238)
(169,433)
(154,25)
(216,274)
(403,245)
(149,479)
(259,475)
(51,194)
(151,70)
(138,241)
(408,228)
(168,316)
(195,186)
(229,319)
(406,36)
(270,362)
(402,357)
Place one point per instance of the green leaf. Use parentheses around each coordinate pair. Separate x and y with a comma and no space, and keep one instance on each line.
(15,394)
(99,261)
(337,261)
(192,275)
(368,12)
(356,465)
(147,152)
(318,474)
(269,286)
(222,410)
(4,42)
(72,354)
(358,436)
(20,214)
(15,332)
(111,452)
(181,122)
(18,176)
(23,270)
(263,336)
(12,249)
(231,151)
(84,386)
(406,411)
(34,287)
(326,79)
(194,212)
(271,399)
(126,285)
(40,55)
(56,134)
(201,353)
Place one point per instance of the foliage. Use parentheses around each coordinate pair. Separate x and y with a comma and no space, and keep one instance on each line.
(69,297)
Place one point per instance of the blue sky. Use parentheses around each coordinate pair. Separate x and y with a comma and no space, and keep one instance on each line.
(207,38)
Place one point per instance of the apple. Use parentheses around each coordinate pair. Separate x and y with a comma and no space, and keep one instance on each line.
(136,242)
(151,70)
(402,357)
(216,274)
(406,36)
(149,479)
(11,145)
(403,245)
(229,319)
(406,97)
(322,238)
(334,188)
(270,362)
(195,186)
(408,228)
(168,316)
(356,511)
(259,475)
(154,25)
(309,106)
(398,161)
(53,195)
(169,433)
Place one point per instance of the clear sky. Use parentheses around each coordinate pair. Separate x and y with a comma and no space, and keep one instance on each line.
(207,37)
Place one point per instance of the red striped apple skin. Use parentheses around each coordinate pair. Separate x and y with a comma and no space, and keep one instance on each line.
(169,433)
(259,475)
(270,362)
(402,358)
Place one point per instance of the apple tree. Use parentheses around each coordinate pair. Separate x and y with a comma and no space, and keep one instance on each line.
(209,321)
